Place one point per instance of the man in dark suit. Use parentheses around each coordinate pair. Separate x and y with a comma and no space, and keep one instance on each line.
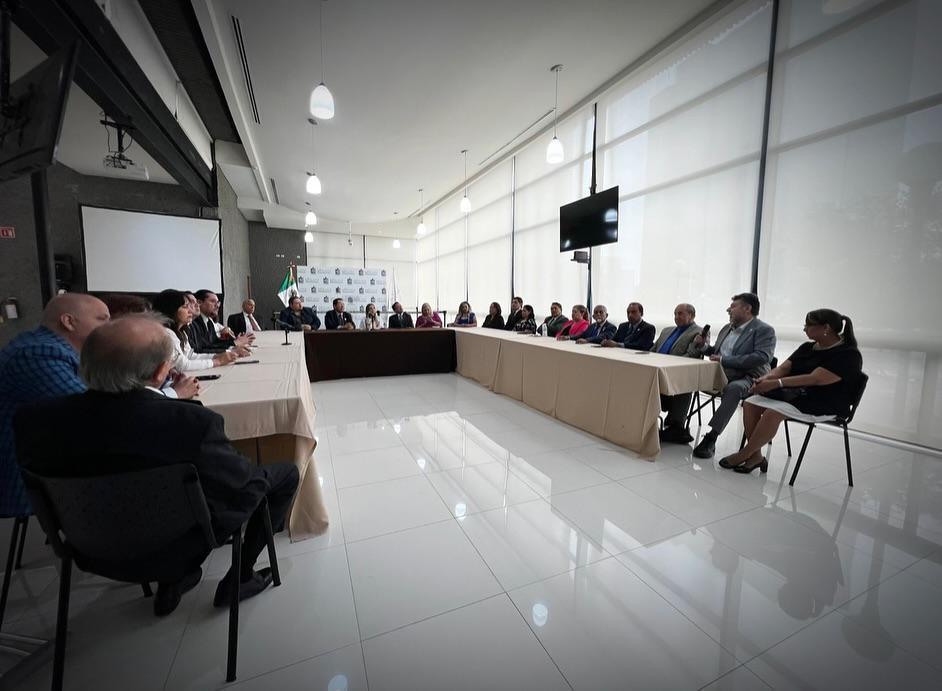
(516,309)
(744,349)
(399,319)
(297,317)
(601,328)
(124,363)
(678,340)
(207,335)
(634,334)
(338,318)
(244,322)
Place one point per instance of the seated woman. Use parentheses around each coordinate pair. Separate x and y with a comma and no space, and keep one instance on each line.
(527,323)
(494,319)
(575,327)
(370,321)
(172,305)
(816,383)
(428,319)
(465,316)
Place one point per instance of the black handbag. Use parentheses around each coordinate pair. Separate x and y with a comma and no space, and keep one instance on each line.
(788,395)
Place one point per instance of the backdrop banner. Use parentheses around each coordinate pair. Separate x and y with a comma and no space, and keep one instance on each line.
(318,286)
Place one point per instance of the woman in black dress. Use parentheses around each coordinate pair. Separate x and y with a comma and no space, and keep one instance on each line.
(527,323)
(493,320)
(817,382)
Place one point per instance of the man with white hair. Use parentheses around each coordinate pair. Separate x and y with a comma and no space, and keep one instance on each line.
(124,364)
(39,364)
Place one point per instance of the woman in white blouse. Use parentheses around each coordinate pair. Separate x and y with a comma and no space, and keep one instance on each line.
(172,305)
(370,322)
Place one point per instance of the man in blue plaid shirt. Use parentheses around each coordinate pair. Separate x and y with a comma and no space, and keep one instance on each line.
(42,363)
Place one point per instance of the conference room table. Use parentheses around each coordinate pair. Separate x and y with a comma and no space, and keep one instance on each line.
(269,416)
(612,393)
(345,354)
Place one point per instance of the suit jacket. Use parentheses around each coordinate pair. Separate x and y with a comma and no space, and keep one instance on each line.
(203,338)
(145,430)
(236,322)
(682,346)
(512,320)
(596,333)
(400,321)
(308,316)
(554,324)
(642,338)
(752,352)
(334,321)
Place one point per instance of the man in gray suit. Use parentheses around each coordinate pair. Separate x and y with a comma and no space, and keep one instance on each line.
(678,340)
(744,349)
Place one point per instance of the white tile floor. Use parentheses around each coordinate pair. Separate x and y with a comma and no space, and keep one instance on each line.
(477,544)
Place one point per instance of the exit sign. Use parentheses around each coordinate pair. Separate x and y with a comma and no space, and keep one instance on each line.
(7,232)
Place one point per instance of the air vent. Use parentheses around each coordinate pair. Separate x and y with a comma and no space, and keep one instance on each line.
(274,190)
(240,43)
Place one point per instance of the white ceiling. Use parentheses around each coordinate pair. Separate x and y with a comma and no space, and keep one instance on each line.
(414,82)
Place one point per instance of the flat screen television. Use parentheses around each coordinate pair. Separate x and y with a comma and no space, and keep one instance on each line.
(29,131)
(589,222)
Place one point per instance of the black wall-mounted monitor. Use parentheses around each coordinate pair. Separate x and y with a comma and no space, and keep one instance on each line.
(589,222)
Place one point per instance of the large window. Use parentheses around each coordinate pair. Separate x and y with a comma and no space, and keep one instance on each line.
(489,231)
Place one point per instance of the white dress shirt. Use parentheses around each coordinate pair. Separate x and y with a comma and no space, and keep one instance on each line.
(184,359)
(251,326)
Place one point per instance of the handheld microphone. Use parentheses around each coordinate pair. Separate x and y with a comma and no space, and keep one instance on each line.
(705,332)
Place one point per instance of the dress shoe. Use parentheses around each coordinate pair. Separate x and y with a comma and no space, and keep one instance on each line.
(724,463)
(169,594)
(260,580)
(707,446)
(763,466)
(675,434)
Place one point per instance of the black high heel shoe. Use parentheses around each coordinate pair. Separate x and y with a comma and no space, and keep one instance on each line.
(763,466)
(724,463)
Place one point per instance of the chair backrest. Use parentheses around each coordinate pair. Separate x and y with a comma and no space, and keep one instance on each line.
(858,394)
(124,516)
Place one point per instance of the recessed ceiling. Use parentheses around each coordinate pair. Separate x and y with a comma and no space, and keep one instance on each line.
(414,83)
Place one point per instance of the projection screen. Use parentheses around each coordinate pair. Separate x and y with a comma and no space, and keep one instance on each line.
(138,252)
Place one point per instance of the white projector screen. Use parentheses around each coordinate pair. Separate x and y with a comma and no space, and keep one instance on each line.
(137,252)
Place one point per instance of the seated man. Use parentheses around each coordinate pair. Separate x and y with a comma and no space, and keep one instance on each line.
(634,334)
(36,365)
(744,349)
(338,318)
(516,308)
(244,322)
(552,325)
(206,333)
(123,363)
(399,319)
(678,340)
(296,317)
(601,328)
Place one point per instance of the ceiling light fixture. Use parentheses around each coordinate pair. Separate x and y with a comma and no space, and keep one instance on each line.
(554,151)
(309,237)
(396,244)
(465,202)
(322,101)
(310,218)
(313,185)
(420,229)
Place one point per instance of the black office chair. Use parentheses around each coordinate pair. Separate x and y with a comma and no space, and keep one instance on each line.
(14,559)
(130,527)
(697,404)
(841,422)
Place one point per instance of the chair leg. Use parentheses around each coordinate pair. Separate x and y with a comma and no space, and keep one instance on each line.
(788,440)
(801,455)
(270,540)
(236,570)
(8,572)
(850,473)
(19,551)
(62,624)
(742,442)
(713,404)
(147,591)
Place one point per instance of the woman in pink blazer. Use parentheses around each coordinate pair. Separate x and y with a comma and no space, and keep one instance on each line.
(576,326)
(428,319)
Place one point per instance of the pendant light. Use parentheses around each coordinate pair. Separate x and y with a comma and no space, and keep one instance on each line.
(322,101)
(396,244)
(309,237)
(313,185)
(420,229)
(465,205)
(310,218)
(554,151)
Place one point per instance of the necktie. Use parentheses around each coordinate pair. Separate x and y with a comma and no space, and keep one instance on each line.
(254,323)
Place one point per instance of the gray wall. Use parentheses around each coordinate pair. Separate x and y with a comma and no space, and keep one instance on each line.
(67,189)
(272,250)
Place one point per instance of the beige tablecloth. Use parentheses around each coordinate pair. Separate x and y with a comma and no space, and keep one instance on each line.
(610,392)
(269,414)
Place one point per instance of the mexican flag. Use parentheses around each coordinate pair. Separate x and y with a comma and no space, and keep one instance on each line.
(289,287)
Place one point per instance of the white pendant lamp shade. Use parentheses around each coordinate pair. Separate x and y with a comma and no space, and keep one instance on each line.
(310,219)
(313,185)
(396,244)
(309,237)
(465,205)
(322,102)
(554,151)
(420,229)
